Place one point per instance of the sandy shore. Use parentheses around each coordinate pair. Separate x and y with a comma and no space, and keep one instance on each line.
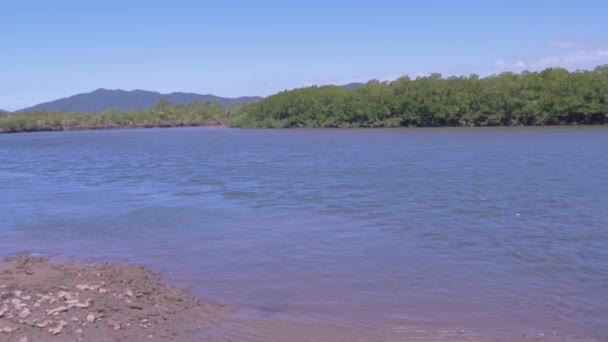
(77,301)
(44,301)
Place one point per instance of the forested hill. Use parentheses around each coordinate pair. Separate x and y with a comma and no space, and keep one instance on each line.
(121,100)
(553,96)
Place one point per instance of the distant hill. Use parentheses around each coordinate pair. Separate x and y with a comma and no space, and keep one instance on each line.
(353,85)
(4,111)
(122,100)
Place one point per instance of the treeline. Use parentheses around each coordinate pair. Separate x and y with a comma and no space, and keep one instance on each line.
(553,96)
(162,115)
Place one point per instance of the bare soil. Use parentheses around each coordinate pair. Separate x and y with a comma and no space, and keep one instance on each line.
(76,301)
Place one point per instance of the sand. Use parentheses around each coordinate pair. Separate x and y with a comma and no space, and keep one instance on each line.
(42,300)
(76,301)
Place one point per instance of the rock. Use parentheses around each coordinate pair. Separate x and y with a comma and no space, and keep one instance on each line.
(91,318)
(128,292)
(43,324)
(25,313)
(26,297)
(83,305)
(82,287)
(4,310)
(116,327)
(75,319)
(18,304)
(59,328)
(17,293)
(79,331)
(57,310)
(23,339)
(85,287)
(64,295)
(8,330)
(103,290)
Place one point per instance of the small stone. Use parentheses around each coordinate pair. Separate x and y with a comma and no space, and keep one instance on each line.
(75,319)
(128,293)
(17,293)
(17,303)
(23,339)
(116,327)
(82,287)
(59,328)
(57,310)
(43,324)
(4,310)
(103,290)
(64,295)
(25,313)
(83,305)
(91,318)
(79,331)
(26,297)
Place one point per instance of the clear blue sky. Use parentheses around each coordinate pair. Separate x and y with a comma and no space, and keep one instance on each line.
(53,49)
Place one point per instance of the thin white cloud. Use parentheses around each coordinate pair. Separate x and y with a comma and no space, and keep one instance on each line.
(515,64)
(578,58)
(550,61)
(563,44)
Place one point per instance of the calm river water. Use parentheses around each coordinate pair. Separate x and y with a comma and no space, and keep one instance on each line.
(499,229)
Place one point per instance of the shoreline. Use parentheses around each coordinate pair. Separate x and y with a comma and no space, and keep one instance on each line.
(43,300)
(115,127)
(222,125)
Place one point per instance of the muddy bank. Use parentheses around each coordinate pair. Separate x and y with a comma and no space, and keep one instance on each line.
(75,301)
(215,124)
(78,301)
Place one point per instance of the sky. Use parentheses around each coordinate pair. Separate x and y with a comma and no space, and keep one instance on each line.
(54,49)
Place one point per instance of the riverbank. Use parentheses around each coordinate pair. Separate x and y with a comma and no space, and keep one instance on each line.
(216,124)
(78,301)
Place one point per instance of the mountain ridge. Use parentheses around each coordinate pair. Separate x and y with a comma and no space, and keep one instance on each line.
(123,100)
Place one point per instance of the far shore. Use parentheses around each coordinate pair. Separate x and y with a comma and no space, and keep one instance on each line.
(222,125)
(111,127)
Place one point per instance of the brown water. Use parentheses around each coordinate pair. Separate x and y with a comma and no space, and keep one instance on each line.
(500,230)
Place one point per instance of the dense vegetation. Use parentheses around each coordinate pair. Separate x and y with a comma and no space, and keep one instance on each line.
(550,97)
(161,115)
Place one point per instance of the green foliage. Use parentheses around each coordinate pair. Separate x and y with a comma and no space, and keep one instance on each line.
(161,115)
(551,97)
